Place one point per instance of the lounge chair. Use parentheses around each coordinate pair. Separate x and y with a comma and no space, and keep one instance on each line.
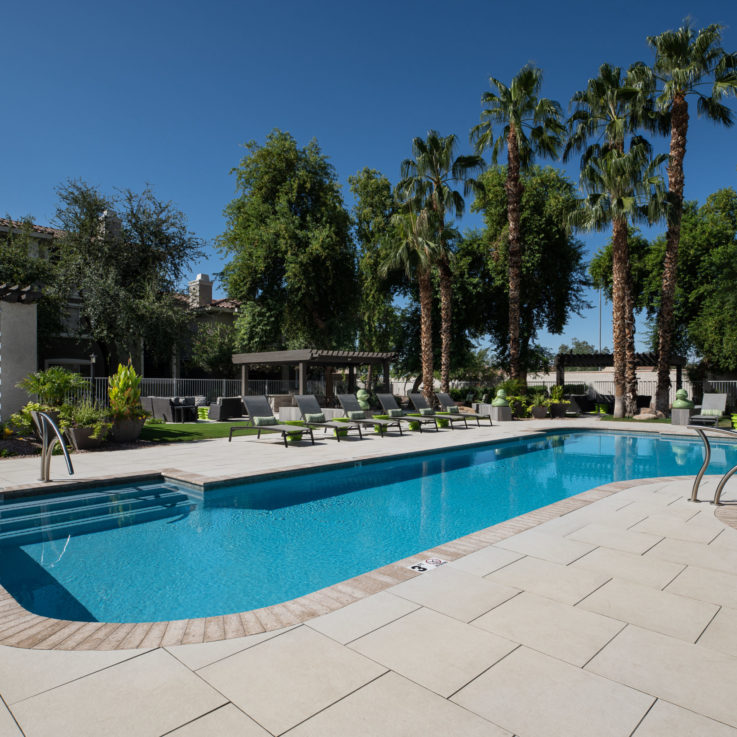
(421,404)
(350,405)
(712,409)
(391,408)
(258,408)
(311,413)
(446,402)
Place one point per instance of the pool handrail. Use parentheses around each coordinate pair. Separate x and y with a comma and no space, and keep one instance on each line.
(701,430)
(43,423)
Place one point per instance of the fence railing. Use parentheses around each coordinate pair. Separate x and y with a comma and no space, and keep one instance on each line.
(645,388)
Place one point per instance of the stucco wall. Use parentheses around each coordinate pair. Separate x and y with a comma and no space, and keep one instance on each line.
(17,353)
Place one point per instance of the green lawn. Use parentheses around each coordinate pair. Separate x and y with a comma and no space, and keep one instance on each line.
(184,432)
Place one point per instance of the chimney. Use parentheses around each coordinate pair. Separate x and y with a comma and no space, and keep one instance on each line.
(111,225)
(200,291)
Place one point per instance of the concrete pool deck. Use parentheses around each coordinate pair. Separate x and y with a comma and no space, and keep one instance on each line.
(617,618)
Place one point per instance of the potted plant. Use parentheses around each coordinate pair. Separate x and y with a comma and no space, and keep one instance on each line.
(557,403)
(85,424)
(124,392)
(538,407)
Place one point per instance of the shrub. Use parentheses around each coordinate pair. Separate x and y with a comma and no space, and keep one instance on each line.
(21,421)
(124,391)
(53,385)
(85,413)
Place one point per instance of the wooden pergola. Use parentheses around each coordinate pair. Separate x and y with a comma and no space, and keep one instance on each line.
(604,360)
(308,357)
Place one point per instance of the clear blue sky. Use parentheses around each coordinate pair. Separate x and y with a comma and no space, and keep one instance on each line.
(164,93)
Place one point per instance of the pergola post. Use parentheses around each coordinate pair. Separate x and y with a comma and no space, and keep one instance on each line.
(560,370)
(679,376)
(328,383)
(244,379)
(351,379)
(387,381)
(301,367)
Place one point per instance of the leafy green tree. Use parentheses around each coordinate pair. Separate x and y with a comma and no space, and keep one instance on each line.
(127,268)
(213,346)
(685,60)
(429,179)
(292,261)
(530,126)
(578,348)
(374,234)
(621,187)
(552,267)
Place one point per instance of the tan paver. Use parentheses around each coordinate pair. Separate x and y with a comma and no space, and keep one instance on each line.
(669,720)
(562,583)
(721,634)
(645,570)
(707,585)
(553,628)
(456,593)
(691,676)
(534,695)
(548,547)
(436,651)
(392,706)
(25,673)
(145,696)
(227,721)
(677,616)
(696,554)
(618,539)
(8,727)
(486,560)
(668,526)
(362,617)
(287,679)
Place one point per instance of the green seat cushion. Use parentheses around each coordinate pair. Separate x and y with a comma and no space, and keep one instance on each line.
(356,414)
(425,411)
(262,421)
(316,417)
(711,412)
(394,412)
(453,410)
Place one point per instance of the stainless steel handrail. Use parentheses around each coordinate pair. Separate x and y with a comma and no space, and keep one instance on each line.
(43,423)
(701,430)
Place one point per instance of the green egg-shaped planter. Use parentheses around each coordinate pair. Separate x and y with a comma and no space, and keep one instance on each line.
(378,428)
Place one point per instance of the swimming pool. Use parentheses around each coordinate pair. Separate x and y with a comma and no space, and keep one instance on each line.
(156,552)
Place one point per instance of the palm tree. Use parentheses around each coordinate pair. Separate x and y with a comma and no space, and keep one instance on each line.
(622,187)
(610,108)
(416,254)
(684,60)
(530,126)
(429,179)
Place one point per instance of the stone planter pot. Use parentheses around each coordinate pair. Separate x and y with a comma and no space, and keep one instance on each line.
(558,410)
(127,431)
(81,440)
(539,412)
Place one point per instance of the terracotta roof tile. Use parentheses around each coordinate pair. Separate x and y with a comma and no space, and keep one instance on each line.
(41,229)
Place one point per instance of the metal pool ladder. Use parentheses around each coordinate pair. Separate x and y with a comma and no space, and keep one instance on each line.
(46,426)
(701,430)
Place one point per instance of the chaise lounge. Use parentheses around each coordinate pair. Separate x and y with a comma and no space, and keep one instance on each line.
(395,412)
(313,416)
(712,409)
(447,403)
(424,408)
(262,418)
(353,411)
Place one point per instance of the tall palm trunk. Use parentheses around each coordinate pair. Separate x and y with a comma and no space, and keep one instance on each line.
(630,368)
(514,203)
(445,322)
(425,285)
(666,315)
(620,268)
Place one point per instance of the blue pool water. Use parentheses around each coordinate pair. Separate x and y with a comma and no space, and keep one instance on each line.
(157,552)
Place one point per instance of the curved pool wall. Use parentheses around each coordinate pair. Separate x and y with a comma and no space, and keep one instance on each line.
(154,552)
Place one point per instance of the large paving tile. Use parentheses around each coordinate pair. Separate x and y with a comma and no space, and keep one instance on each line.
(677,616)
(706,585)
(692,676)
(562,583)
(553,628)
(145,696)
(287,679)
(392,706)
(485,561)
(203,653)
(362,617)
(669,720)
(436,651)
(456,593)
(618,539)
(546,546)
(8,727)
(666,526)
(645,570)
(721,634)
(534,695)
(228,721)
(695,554)
(25,673)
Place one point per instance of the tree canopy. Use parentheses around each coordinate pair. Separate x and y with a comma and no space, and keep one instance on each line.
(292,261)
